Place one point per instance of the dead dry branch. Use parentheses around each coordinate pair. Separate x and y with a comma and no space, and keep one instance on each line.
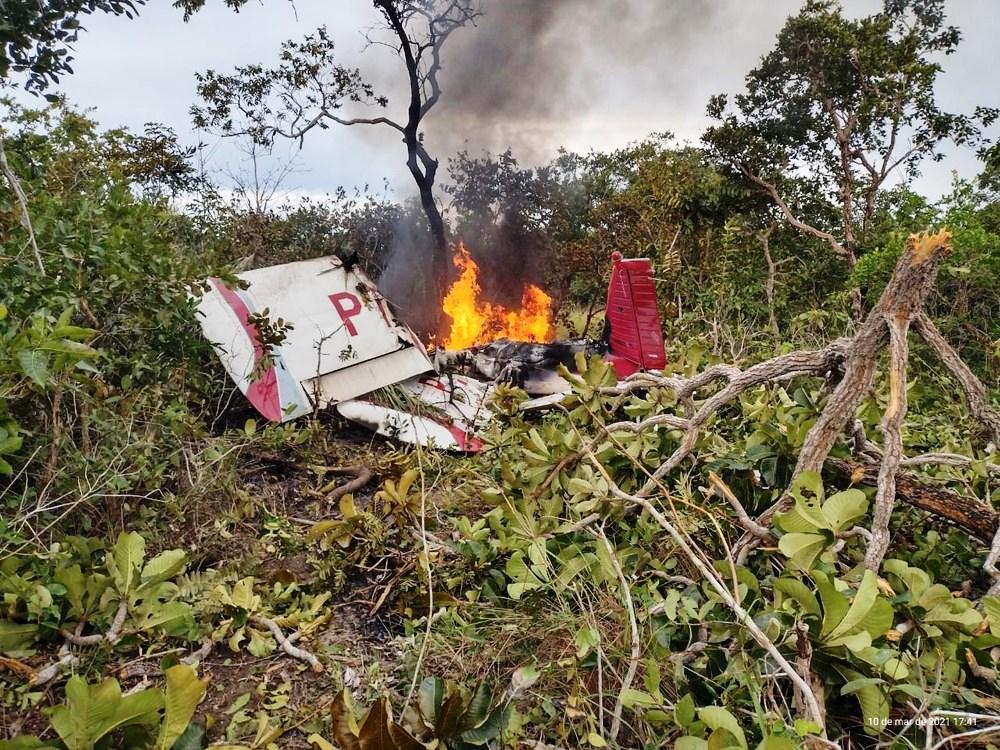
(852,364)
(334,491)
(287,643)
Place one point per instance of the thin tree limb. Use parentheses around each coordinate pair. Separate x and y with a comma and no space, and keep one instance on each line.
(815,713)
(286,642)
(636,652)
(22,200)
(972,387)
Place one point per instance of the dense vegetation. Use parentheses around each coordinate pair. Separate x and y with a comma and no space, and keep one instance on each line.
(174,572)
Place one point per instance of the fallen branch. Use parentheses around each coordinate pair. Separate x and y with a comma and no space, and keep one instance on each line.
(199,654)
(977,518)
(797,363)
(990,564)
(814,711)
(111,637)
(978,670)
(744,518)
(892,448)
(803,660)
(973,390)
(65,661)
(948,459)
(362,476)
(636,652)
(286,643)
(853,362)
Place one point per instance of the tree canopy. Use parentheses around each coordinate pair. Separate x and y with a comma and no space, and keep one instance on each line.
(839,107)
(36,37)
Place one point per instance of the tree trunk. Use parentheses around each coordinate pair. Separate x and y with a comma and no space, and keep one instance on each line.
(435,222)
(421,165)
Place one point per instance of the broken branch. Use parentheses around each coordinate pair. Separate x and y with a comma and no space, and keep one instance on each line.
(892,448)
(362,476)
(977,518)
(286,642)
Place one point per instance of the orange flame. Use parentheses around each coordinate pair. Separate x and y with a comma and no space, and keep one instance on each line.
(475,321)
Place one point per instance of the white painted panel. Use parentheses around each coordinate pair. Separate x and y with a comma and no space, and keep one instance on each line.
(367,376)
(343,341)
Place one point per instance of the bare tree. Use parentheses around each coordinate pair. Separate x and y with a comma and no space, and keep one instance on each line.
(421,28)
(255,183)
(308,89)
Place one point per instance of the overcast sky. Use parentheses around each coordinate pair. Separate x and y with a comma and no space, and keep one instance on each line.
(534,74)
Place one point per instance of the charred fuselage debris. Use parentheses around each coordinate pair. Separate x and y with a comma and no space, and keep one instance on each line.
(527,365)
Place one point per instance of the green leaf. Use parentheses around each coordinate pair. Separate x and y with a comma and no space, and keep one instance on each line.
(139,708)
(861,606)
(806,515)
(129,552)
(835,604)
(489,729)
(991,606)
(804,727)
(163,567)
(718,718)
(873,701)
(34,364)
(429,699)
(11,444)
(844,508)
(776,742)
(261,644)
(797,591)
(957,613)
(802,548)
(319,742)
(572,568)
(690,743)
(479,706)
(243,596)
(91,712)
(173,618)
(853,686)
(631,698)
(183,693)
(586,639)
(684,711)
(16,636)
(65,346)
(855,642)
(76,586)
(74,333)
(238,703)
(192,738)
(25,742)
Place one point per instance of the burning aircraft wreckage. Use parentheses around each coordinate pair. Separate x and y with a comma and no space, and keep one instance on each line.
(345,348)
